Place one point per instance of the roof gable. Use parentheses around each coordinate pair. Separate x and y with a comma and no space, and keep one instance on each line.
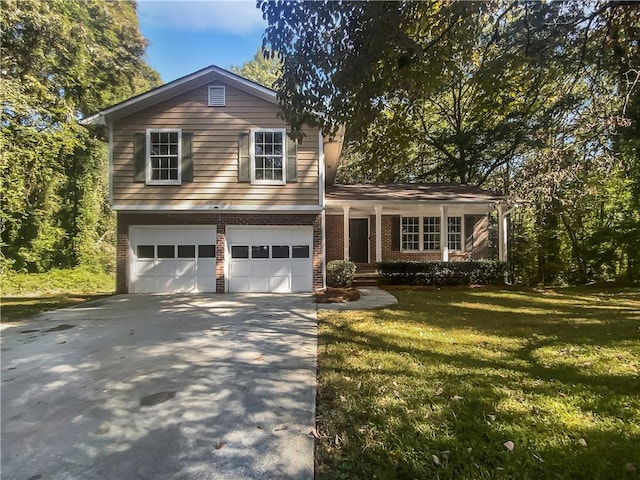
(177,87)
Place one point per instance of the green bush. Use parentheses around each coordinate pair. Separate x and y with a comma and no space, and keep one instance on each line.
(340,273)
(486,272)
(72,280)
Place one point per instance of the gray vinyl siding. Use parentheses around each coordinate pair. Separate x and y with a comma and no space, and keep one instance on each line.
(214,154)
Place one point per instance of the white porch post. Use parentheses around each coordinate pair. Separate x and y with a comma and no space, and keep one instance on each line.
(378,209)
(345,210)
(444,244)
(502,234)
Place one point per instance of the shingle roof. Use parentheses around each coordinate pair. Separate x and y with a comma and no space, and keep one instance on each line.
(421,192)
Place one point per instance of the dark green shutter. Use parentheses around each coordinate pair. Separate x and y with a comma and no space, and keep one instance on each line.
(395,233)
(187,157)
(140,157)
(292,156)
(244,157)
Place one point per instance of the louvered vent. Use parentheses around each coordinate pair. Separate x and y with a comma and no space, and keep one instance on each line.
(216,96)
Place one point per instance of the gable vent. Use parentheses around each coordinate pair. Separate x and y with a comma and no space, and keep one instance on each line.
(216,96)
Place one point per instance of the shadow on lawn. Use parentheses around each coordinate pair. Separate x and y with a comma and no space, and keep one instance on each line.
(461,405)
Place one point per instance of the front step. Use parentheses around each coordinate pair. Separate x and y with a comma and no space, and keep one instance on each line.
(366,278)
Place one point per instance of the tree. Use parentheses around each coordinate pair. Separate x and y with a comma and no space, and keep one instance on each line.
(61,60)
(264,68)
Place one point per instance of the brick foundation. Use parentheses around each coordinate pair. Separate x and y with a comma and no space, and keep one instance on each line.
(221,220)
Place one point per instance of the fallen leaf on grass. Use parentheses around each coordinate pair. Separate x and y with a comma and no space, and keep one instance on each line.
(440,391)
(457,398)
(315,434)
(491,417)
(509,445)
(582,442)
(630,467)
(436,460)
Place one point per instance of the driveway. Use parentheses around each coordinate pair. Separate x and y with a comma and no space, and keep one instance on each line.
(162,387)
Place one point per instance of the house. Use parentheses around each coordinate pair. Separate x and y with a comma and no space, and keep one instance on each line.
(211,195)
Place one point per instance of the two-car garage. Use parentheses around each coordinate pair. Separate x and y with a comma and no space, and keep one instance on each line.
(179,258)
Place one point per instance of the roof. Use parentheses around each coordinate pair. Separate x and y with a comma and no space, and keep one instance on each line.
(415,192)
(178,87)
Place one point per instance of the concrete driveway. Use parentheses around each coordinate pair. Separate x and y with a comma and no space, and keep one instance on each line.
(162,387)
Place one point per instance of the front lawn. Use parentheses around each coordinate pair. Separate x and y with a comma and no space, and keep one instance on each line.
(482,383)
(25,294)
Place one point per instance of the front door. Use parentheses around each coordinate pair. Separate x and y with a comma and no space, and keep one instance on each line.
(359,240)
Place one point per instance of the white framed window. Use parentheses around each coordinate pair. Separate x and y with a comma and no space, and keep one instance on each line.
(268,156)
(454,233)
(431,233)
(217,96)
(410,233)
(164,154)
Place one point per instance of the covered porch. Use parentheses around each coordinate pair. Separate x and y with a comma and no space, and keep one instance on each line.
(368,223)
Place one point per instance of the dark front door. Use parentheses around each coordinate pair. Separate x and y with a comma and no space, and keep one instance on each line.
(359,240)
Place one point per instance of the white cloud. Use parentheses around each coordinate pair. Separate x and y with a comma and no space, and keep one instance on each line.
(232,16)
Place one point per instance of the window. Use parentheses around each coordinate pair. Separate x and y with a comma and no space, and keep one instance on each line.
(260,251)
(280,251)
(454,233)
(166,251)
(164,147)
(410,233)
(240,251)
(206,251)
(216,96)
(268,156)
(146,251)
(300,251)
(431,233)
(186,251)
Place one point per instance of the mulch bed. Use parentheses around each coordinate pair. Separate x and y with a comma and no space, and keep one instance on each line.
(337,295)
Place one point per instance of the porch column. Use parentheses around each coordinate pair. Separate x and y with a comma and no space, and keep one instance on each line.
(502,234)
(444,244)
(378,209)
(345,212)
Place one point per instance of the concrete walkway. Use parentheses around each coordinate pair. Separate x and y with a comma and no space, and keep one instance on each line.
(372,297)
(162,387)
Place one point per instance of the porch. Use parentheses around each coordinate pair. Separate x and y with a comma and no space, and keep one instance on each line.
(420,222)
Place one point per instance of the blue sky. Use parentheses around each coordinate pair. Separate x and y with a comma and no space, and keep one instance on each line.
(186,35)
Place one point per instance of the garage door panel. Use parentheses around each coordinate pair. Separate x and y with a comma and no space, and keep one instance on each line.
(277,270)
(164,273)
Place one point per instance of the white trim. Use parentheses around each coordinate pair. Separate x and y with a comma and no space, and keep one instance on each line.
(148,179)
(110,127)
(211,102)
(345,231)
(234,208)
(321,169)
(323,239)
(444,237)
(165,92)
(435,203)
(252,151)
(378,210)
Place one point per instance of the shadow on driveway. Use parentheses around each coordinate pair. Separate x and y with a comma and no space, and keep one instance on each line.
(159,387)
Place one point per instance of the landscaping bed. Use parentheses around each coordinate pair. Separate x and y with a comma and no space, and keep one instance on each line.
(482,383)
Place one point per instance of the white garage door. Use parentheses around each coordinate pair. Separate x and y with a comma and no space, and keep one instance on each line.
(270,259)
(172,259)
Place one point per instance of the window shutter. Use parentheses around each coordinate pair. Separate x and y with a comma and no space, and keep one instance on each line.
(140,157)
(187,157)
(217,96)
(244,157)
(395,233)
(470,222)
(292,164)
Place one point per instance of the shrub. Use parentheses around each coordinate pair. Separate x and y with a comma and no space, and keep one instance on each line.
(486,272)
(340,273)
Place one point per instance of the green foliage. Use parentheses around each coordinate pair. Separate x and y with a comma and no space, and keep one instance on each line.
(340,273)
(485,272)
(61,60)
(264,68)
(80,280)
(435,387)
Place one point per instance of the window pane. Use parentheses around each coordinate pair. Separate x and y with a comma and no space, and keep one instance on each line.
(145,251)
(260,251)
(431,233)
(300,251)
(240,251)
(280,251)
(410,233)
(206,251)
(166,251)
(186,251)
(454,233)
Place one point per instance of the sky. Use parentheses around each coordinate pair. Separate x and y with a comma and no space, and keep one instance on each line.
(187,35)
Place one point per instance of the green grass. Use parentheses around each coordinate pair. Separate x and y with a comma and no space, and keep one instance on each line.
(435,387)
(26,294)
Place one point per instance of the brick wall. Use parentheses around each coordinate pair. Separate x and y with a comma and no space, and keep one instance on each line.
(221,220)
(335,237)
